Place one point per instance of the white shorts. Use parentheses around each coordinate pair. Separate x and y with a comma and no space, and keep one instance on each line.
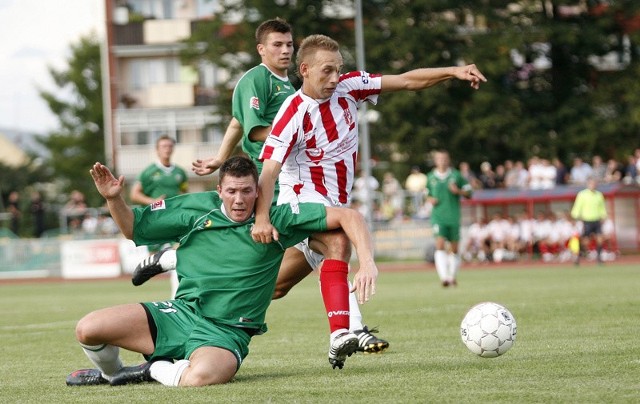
(287,195)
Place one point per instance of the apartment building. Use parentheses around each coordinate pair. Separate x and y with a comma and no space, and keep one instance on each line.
(149,92)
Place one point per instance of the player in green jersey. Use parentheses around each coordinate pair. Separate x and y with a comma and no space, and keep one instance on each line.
(159,181)
(162,179)
(445,186)
(257,98)
(221,299)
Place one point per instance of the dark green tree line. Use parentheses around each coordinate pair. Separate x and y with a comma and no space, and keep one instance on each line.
(563,108)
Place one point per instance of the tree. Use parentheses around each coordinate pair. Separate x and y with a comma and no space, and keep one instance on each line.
(79,142)
(545,95)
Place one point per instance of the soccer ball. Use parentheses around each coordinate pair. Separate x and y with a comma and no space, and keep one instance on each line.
(488,329)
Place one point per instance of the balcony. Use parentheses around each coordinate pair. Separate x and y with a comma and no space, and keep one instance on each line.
(165,119)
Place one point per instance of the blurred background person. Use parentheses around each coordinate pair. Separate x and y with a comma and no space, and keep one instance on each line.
(416,186)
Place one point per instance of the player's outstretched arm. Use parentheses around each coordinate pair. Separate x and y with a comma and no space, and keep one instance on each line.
(111,189)
(419,79)
(355,227)
(232,137)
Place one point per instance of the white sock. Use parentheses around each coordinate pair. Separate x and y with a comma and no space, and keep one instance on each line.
(168,260)
(355,316)
(334,334)
(440,258)
(454,266)
(168,373)
(173,279)
(105,357)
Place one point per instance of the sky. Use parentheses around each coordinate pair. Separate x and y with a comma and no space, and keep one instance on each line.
(35,34)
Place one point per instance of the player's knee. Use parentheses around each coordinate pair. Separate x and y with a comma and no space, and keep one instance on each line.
(85,330)
(339,248)
(195,378)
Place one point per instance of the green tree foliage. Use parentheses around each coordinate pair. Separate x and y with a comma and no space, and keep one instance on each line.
(228,40)
(79,141)
(545,96)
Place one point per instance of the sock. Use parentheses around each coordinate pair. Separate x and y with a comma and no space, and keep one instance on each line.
(454,266)
(173,278)
(335,293)
(355,316)
(440,258)
(105,357)
(168,260)
(168,373)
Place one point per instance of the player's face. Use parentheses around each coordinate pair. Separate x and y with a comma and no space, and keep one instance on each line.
(239,196)
(276,52)
(165,149)
(441,161)
(321,74)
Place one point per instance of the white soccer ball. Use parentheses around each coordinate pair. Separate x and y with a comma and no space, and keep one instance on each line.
(488,329)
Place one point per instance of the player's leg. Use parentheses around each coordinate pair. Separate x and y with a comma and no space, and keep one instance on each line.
(336,245)
(211,354)
(293,269)
(101,334)
(206,366)
(162,261)
(440,256)
(453,257)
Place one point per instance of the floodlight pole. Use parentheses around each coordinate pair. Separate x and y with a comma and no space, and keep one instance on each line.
(365,148)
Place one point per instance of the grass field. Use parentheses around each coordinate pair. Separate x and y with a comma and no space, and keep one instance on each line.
(578,342)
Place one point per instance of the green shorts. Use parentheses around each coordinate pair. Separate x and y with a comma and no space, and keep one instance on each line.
(446,231)
(180,330)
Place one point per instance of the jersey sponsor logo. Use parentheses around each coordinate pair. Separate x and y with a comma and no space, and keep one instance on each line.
(254,103)
(338,313)
(208,223)
(315,155)
(365,77)
(158,205)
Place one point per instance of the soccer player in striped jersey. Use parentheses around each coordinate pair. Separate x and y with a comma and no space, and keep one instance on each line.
(313,144)
(256,99)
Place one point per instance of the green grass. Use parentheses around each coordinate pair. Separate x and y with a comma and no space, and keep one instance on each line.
(578,333)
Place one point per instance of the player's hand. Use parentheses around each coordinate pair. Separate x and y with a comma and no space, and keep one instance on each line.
(160,198)
(364,282)
(472,74)
(206,166)
(264,232)
(107,184)
(454,188)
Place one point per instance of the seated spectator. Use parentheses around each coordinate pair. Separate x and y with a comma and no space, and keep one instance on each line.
(469,175)
(500,176)
(487,176)
(580,171)
(562,174)
(613,172)
(476,245)
(416,186)
(598,167)
(630,171)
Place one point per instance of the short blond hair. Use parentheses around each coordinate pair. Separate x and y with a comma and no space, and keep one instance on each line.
(311,44)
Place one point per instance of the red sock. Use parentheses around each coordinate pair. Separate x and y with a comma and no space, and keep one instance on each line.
(335,293)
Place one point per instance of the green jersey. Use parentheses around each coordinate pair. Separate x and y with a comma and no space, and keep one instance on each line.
(158,180)
(222,272)
(447,210)
(256,101)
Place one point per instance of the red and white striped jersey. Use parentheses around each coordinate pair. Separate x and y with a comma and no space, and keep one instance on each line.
(316,141)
